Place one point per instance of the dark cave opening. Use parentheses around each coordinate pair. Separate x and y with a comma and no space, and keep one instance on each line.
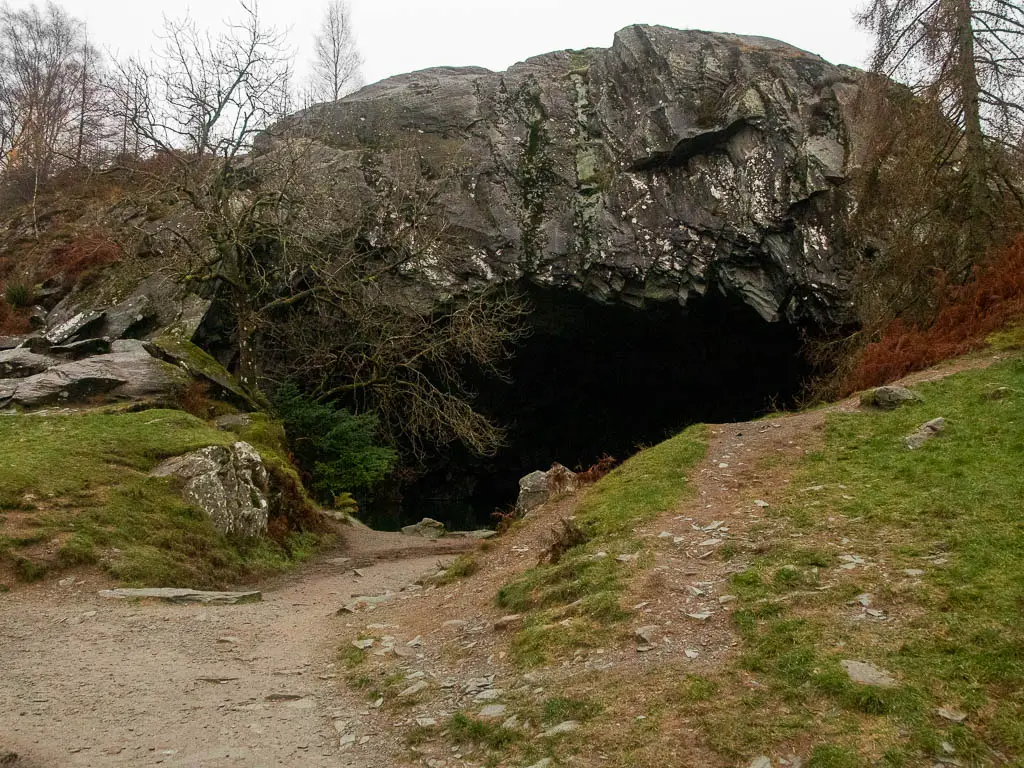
(598,379)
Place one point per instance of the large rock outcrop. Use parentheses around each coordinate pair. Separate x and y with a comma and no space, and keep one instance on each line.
(229,483)
(673,163)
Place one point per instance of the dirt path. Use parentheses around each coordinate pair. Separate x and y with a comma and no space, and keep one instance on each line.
(87,681)
(90,681)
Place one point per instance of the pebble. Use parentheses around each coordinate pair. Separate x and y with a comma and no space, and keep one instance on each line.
(702,616)
(412,690)
(647,635)
(426,722)
(952,714)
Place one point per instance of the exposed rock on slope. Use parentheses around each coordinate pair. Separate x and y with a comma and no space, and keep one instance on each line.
(128,372)
(229,483)
(671,163)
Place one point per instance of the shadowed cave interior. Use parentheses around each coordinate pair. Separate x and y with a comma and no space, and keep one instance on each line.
(594,379)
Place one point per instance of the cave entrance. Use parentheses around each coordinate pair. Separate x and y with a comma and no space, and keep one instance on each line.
(598,379)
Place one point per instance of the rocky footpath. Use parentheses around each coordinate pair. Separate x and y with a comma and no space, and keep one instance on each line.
(671,164)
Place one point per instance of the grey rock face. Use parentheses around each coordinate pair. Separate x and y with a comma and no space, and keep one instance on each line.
(537,488)
(229,483)
(129,372)
(889,398)
(130,315)
(671,164)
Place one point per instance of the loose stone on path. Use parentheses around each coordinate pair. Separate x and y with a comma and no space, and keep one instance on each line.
(171,595)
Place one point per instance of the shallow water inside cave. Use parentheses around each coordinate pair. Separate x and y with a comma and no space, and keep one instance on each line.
(598,379)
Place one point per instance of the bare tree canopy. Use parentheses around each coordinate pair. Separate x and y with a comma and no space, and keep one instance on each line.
(52,112)
(967,57)
(337,62)
(312,259)
(966,54)
(206,94)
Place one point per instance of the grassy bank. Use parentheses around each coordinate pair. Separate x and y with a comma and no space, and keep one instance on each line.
(75,490)
(910,560)
(575,603)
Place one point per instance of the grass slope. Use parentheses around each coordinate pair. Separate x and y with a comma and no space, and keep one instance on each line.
(581,592)
(74,489)
(952,514)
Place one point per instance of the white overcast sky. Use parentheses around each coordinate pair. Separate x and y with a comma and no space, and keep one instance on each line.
(398,36)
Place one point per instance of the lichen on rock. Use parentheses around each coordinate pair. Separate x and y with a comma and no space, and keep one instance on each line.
(230,484)
(673,163)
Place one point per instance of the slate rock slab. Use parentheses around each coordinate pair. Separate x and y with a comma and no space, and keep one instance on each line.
(175,595)
(129,372)
(863,673)
(74,327)
(21,363)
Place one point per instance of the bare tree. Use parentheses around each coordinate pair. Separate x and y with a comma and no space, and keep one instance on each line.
(201,104)
(50,94)
(316,258)
(337,62)
(967,58)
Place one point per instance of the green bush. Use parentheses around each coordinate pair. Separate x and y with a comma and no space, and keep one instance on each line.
(339,450)
(18,295)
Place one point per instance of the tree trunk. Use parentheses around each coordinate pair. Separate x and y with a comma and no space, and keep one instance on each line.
(974,138)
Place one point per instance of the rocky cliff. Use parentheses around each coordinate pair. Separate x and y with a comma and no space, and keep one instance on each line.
(670,164)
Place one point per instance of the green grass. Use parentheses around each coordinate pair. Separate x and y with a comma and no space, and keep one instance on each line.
(581,592)
(82,479)
(559,709)
(462,567)
(463,729)
(73,456)
(954,509)
(1011,338)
